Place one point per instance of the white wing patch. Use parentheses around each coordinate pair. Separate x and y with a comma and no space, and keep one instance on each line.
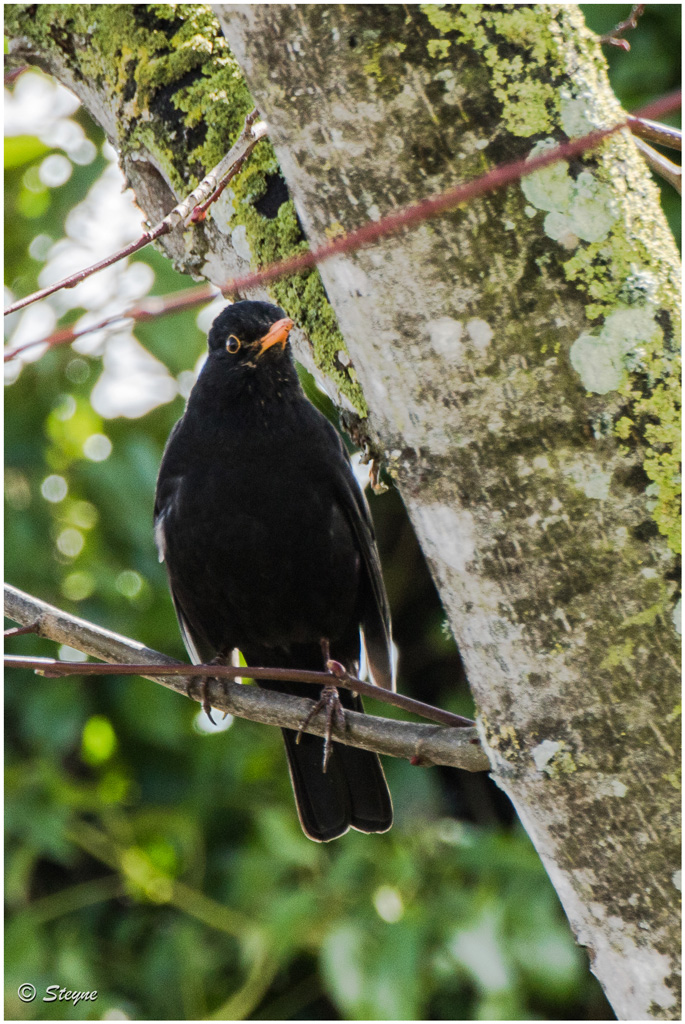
(192,650)
(160,539)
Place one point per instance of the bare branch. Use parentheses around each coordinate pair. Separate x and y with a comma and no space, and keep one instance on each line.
(150,308)
(661,165)
(54,669)
(410,216)
(655,131)
(424,744)
(613,38)
(199,199)
(21,630)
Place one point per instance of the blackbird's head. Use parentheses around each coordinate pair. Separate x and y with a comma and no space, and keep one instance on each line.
(248,332)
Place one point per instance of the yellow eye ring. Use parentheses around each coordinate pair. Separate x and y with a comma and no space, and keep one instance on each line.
(233,344)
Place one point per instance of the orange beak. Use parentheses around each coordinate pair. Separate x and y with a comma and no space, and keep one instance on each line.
(276,335)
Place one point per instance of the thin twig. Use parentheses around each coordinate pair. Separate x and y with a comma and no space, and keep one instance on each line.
(12,75)
(205,193)
(200,211)
(20,630)
(150,308)
(665,168)
(371,232)
(425,744)
(52,668)
(654,131)
(613,38)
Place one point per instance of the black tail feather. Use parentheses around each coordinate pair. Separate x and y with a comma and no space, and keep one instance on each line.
(352,793)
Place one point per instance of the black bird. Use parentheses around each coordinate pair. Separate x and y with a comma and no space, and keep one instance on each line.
(270,549)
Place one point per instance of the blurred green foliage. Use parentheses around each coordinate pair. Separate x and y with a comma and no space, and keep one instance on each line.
(163,865)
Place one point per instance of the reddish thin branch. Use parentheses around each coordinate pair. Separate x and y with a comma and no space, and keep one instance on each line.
(420,742)
(20,630)
(370,232)
(70,282)
(654,131)
(148,309)
(51,668)
(200,198)
(613,38)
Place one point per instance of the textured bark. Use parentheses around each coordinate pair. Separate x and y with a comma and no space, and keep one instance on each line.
(518,361)
(495,350)
(163,84)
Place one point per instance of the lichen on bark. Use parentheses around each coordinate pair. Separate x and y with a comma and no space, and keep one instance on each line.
(611,237)
(173,101)
(528,490)
(478,339)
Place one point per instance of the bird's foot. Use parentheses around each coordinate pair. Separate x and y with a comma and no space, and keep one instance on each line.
(330,702)
(206,706)
(204,683)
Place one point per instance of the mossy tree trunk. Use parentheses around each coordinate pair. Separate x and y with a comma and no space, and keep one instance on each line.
(517,358)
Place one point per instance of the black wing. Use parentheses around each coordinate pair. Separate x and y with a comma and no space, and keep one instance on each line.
(168,485)
(375,622)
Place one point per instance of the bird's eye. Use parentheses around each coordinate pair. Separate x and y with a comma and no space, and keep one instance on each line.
(233,344)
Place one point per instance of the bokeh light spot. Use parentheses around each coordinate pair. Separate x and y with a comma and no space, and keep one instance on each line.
(97,447)
(55,170)
(98,741)
(70,542)
(83,514)
(40,247)
(388,904)
(66,653)
(65,408)
(77,586)
(17,490)
(129,583)
(77,370)
(54,488)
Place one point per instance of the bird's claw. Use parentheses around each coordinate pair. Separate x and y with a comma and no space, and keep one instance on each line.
(204,682)
(206,706)
(335,713)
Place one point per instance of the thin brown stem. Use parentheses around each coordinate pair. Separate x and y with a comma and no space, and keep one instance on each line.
(206,192)
(654,131)
(52,668)
(149,309)
(421,743)
(613,38)
(371,232)
(200,210)
(81,275)
(20,630)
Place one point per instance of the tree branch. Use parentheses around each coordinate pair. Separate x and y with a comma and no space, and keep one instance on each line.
(51,668)
(410,216)
(661,165)
(148,309)
(655,131)
(192,208)
(613,38)
(424,744)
